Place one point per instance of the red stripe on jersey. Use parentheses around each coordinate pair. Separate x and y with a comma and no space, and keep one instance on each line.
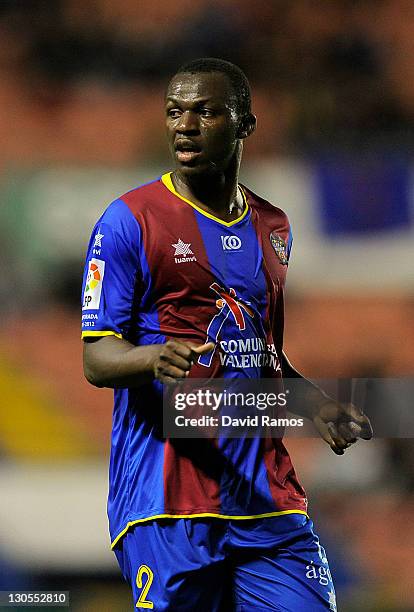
(170,250)
(284,486)
(287,492)
(264,222)
(188,479)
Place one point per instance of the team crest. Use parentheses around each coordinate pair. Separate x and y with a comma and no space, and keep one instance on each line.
(279,246)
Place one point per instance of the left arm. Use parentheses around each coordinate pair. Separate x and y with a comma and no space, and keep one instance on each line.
(339,424)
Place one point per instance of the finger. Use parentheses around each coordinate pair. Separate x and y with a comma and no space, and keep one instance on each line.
(171,371)
(349,432)
(360,419)
(180,348)
(168,380)
(366,429)
(203,349)
(176,360)
(340,442)
(354,413)
(323,430)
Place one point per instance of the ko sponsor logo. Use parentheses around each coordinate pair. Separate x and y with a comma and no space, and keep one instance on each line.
(231,243)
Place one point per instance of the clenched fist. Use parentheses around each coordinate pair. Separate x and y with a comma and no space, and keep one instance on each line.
(175,359)
(340,425)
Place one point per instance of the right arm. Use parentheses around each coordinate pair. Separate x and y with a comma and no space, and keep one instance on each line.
(112,275)
(109,361)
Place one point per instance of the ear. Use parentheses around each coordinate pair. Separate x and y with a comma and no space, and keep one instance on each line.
(247,126)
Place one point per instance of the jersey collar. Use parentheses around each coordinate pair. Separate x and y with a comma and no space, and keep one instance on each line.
(167,181)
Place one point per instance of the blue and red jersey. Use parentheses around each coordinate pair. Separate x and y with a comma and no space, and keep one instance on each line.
(158,268)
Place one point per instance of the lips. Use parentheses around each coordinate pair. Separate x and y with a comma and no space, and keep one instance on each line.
(186,150)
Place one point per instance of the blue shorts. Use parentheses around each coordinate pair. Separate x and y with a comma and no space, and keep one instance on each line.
(212,565)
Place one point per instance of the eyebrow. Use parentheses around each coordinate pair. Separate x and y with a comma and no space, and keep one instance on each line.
(196,101)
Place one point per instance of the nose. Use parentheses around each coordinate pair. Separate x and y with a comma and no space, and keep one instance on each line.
(188,123)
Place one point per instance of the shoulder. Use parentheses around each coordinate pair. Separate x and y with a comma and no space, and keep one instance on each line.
(136,199)
(272,222)
(123,213)
(266,211)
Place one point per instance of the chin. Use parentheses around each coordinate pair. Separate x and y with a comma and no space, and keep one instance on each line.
(197,170)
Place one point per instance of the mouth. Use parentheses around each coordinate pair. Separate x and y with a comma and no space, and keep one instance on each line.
(186,150)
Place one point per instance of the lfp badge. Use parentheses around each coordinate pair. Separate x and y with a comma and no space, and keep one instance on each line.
(93,287)
(280,248)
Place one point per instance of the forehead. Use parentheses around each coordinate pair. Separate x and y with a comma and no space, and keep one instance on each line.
(214,86)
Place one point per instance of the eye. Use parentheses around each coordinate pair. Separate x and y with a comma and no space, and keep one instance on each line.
(173,113)
(206,112)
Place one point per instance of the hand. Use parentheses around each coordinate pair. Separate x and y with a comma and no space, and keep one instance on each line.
(175,359)
(340,425)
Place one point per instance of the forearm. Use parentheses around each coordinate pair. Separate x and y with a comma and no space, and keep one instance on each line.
(305,397)
(112,362)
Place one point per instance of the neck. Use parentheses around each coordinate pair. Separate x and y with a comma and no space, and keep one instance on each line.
(216,193)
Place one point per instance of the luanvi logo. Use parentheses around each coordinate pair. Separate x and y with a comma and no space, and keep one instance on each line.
(183,252)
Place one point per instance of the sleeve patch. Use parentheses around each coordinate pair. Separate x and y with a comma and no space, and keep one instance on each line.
(93,286)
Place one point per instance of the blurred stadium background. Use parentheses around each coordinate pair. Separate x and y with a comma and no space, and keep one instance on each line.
(81,121)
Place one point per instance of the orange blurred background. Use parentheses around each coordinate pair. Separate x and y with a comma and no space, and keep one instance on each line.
(81,94)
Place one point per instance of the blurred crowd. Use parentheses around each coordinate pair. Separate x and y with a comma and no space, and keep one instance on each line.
(337,72)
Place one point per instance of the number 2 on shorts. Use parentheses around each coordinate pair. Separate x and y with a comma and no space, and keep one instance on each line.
(142,601)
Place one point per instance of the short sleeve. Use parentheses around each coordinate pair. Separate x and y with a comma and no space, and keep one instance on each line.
(279,313)
(112,273)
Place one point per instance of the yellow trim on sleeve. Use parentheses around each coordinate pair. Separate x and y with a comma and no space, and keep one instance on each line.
(98,334)
(167,181)
(204,514)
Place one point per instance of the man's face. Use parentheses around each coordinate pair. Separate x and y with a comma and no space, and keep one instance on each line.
(202,122)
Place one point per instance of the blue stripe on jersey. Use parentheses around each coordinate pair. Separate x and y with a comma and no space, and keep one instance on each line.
(240,269)
(110,301)
(235,258)
(134,484)
(245,490)
(148,324)
(136,488)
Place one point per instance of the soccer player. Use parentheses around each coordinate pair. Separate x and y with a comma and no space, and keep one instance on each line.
(185,277)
